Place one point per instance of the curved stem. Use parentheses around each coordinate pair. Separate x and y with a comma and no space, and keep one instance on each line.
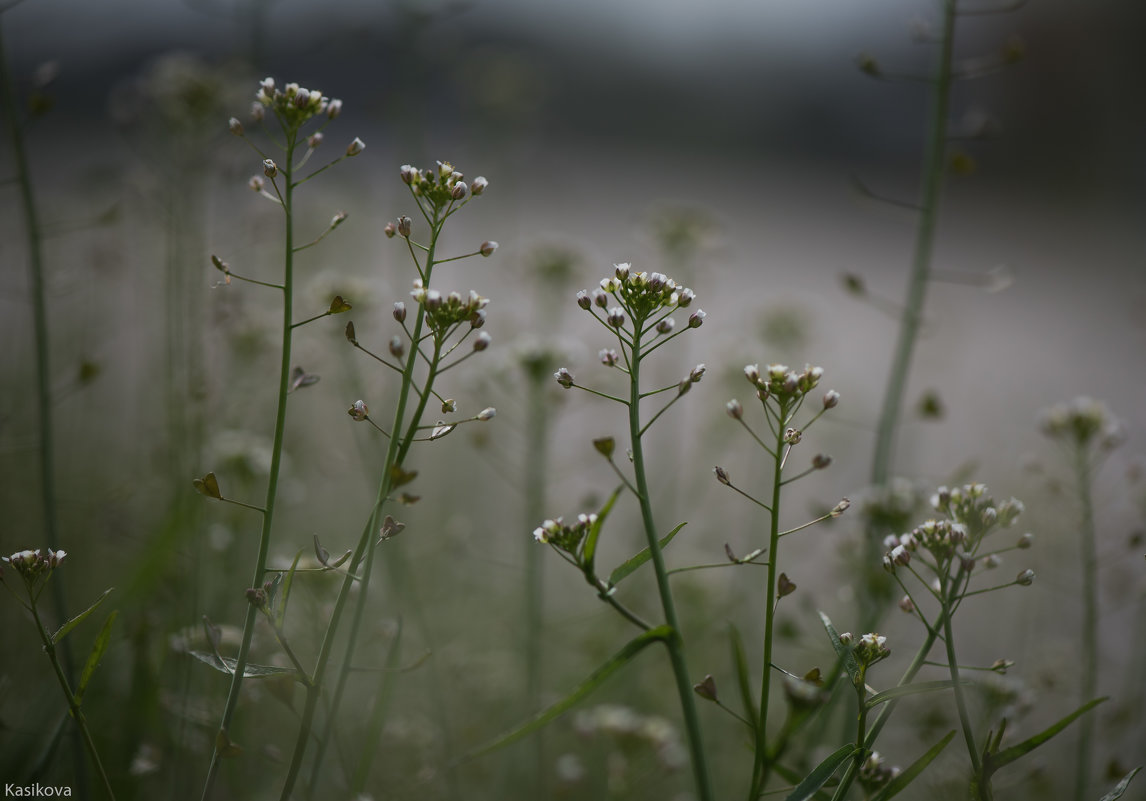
(675,642)
(949,591)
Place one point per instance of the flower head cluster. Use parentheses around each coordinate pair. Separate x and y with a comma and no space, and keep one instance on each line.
(442,185)
(640,295)
(567,538)
(32,565)
(784,383)
(445,311)
(875,772)
(973,506)
(293,104)
(1082,421)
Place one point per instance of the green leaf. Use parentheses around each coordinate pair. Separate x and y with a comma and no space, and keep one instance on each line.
(842,651)
(896,785)
(595,680)
(741,662)
(224,664)
(821,773)
(97,652)
(1120,788)
(284,596)
(590,550)
(912,689)
(1008,755)
(63,630)
(623,570)
(208,485)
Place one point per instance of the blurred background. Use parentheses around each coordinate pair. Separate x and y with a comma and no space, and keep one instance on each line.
(723,143)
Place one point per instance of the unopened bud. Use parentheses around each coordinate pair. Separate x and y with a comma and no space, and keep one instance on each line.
(482,341)
(355,147)
(408,174)
(333,108)
(820,461)
(256,183)
(696,319)
(235,126)
(1025,578)
(359,411)
(314,140)
(396,347)
(1026,540)
(400,312)
(906,604)
(616,317)
(270,169)
(390,230)
(487,414)
(583,300)
(697,373)
(459,190)
(405,225)
(831,398)
(478,186)
(488,247)
(722,476)
(666,325)
(564,377)
(735,410)
(840,507)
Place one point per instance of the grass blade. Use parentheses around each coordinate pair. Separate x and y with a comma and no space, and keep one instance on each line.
(63,630)
(997,760)
(896,785)
(97,652)
(595,680)
(842,651)
(627,567)
(911,689)
(741,662)
(821,773)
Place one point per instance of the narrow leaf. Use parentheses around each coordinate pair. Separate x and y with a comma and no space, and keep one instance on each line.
(288,582)
(224,664)
(1008,755)
(896,785)
(623,570)
(741,662)
(842,651)
(208,485)
(595,680)
(912,689)
(821,773)
(590,550)
(1120,788)
(99,647)
(63,630)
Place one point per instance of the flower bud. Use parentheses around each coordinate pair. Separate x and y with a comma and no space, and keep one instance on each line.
(400,312)
(735,410)
(752,373)
(256,183)
(405,225)
(1026,540)
(270,169)
(408,174)
(697,373)
(696,319)
(1025,578)
(820,461)
(608,357)
(564,377)
(488,247)
(616,317)
(831,398)
(906,604)
(600,299)
(235,126)
(482,341)
(359,411)
(722,476)
(355,147)
(583,300)
(396,347)
(333,108)
(258,112)
(684,298)
(487,414)
(390,230)
(840,507)
(666,325)
(622,270)
(478,186)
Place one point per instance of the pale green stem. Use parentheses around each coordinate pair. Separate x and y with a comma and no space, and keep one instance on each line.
(949,590)
(761,766)
(1088,677)
(44,402)
(674,643)
(273,478)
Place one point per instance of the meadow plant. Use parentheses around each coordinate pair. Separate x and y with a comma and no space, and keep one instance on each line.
(35,570)
(1087,432)
(438,326)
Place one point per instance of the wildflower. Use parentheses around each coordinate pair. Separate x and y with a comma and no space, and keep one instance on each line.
(564,377)
(478,186)
(735,410)
(486,414)
(488,247)
(359,411)
(1026,578)
(355,147)
(696,319)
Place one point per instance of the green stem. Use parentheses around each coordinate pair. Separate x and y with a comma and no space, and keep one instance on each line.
(674,643)
(44,403)
(273,478)
(73,705)
(1088,678)
(761,766)
(948,591)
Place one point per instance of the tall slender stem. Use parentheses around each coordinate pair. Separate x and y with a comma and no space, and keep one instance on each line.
(761,766)
(44,403)
(1088,678)
(948,590)
(675,643)
(273,478)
